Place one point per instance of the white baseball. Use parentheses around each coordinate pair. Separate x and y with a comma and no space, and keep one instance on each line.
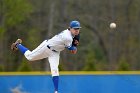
(112,25)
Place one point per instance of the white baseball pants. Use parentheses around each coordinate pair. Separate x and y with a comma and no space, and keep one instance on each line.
(42,51)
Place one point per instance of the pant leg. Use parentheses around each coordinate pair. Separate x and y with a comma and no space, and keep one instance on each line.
(40,52)
(54,62)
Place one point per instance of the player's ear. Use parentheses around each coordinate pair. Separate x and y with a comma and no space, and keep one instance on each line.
(69,28)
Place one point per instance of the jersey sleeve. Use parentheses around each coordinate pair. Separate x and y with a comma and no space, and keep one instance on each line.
(68,42)
(67,39)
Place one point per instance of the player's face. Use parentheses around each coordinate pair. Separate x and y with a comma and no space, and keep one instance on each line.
(75,31)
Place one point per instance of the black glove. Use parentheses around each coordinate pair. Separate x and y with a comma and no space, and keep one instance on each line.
(76,40)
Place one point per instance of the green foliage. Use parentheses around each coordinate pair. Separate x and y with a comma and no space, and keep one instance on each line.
(134,10)
(1,68)
(98,54)
(2,30)
(90,61)
(123,65)
(24,66)
(13,15)
(61,68)
(16,11)
(34,38)
(94,59)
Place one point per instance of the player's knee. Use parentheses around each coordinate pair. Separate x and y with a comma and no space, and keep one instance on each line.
(55,72)
(29,56)
(30,59)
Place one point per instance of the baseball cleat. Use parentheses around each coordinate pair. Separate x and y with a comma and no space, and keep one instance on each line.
(56,92)
(14,47)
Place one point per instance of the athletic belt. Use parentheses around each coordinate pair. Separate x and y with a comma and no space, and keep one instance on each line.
(51,49)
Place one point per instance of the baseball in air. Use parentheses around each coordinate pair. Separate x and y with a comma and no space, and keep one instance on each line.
(112,25)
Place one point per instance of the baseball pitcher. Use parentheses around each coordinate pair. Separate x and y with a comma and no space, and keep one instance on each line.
(51,49)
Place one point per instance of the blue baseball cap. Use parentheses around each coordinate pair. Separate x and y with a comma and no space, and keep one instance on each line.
(75,24)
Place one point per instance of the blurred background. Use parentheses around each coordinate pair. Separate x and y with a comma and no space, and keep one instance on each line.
(100,49)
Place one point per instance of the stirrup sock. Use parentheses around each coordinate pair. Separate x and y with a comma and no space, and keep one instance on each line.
(55,82)
(22,48)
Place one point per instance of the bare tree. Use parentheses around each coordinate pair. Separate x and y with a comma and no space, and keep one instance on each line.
(51,24)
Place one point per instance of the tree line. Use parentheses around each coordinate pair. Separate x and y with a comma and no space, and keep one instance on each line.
(101,48)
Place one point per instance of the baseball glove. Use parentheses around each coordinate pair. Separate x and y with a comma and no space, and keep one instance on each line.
(76,39)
